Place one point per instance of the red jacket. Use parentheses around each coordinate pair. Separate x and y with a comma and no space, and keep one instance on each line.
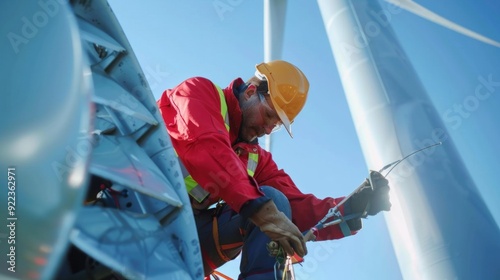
(192,115)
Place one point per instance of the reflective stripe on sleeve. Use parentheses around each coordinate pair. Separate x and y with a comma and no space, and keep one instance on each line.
(194,189)
(253,159)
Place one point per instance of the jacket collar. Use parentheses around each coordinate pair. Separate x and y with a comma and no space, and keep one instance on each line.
(233,108)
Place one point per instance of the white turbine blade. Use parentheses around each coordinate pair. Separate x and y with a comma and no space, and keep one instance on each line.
(274,26)
(274,29)
(267,142)
(421,11)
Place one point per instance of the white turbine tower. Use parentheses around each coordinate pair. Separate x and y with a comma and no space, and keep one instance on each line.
(274,24)
(439,224)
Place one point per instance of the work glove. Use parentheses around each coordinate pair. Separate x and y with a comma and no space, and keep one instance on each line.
(279,228)
(370,199)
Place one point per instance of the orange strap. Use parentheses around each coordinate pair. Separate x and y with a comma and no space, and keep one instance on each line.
(217,273)
(296,258)
(231,246)
(215,232)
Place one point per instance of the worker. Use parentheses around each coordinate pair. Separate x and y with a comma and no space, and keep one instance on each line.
(215,134)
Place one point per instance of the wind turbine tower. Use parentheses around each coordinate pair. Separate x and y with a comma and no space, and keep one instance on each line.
(439,224)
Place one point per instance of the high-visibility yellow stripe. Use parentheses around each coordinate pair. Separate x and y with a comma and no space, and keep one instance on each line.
(193,188)
(223,107)
(190,183)
(252,163)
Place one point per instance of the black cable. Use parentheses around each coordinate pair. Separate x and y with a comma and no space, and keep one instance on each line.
(397,162)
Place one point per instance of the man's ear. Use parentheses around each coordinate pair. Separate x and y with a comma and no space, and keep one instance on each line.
(251,90)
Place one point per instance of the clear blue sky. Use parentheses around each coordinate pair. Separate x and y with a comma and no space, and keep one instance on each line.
(175,40)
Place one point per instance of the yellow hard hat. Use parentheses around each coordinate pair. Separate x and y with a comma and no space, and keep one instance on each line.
(288,88)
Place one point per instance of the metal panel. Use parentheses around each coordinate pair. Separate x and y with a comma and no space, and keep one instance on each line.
(121,160)
(47,73)
(133,150)
(134,245)
(45,114)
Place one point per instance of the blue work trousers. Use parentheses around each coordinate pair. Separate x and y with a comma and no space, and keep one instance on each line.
(232,234)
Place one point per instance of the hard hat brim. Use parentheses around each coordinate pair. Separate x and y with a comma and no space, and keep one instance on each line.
(263,72)
(283,117)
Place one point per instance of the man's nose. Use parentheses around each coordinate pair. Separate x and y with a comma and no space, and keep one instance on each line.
(269,128)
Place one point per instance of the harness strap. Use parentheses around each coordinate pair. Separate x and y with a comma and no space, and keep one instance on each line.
(217,273)
(215,232)
(344,227)
(231,246)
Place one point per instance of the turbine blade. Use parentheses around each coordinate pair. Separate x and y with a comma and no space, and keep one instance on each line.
(274,26)
(425,13)
(274,29)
